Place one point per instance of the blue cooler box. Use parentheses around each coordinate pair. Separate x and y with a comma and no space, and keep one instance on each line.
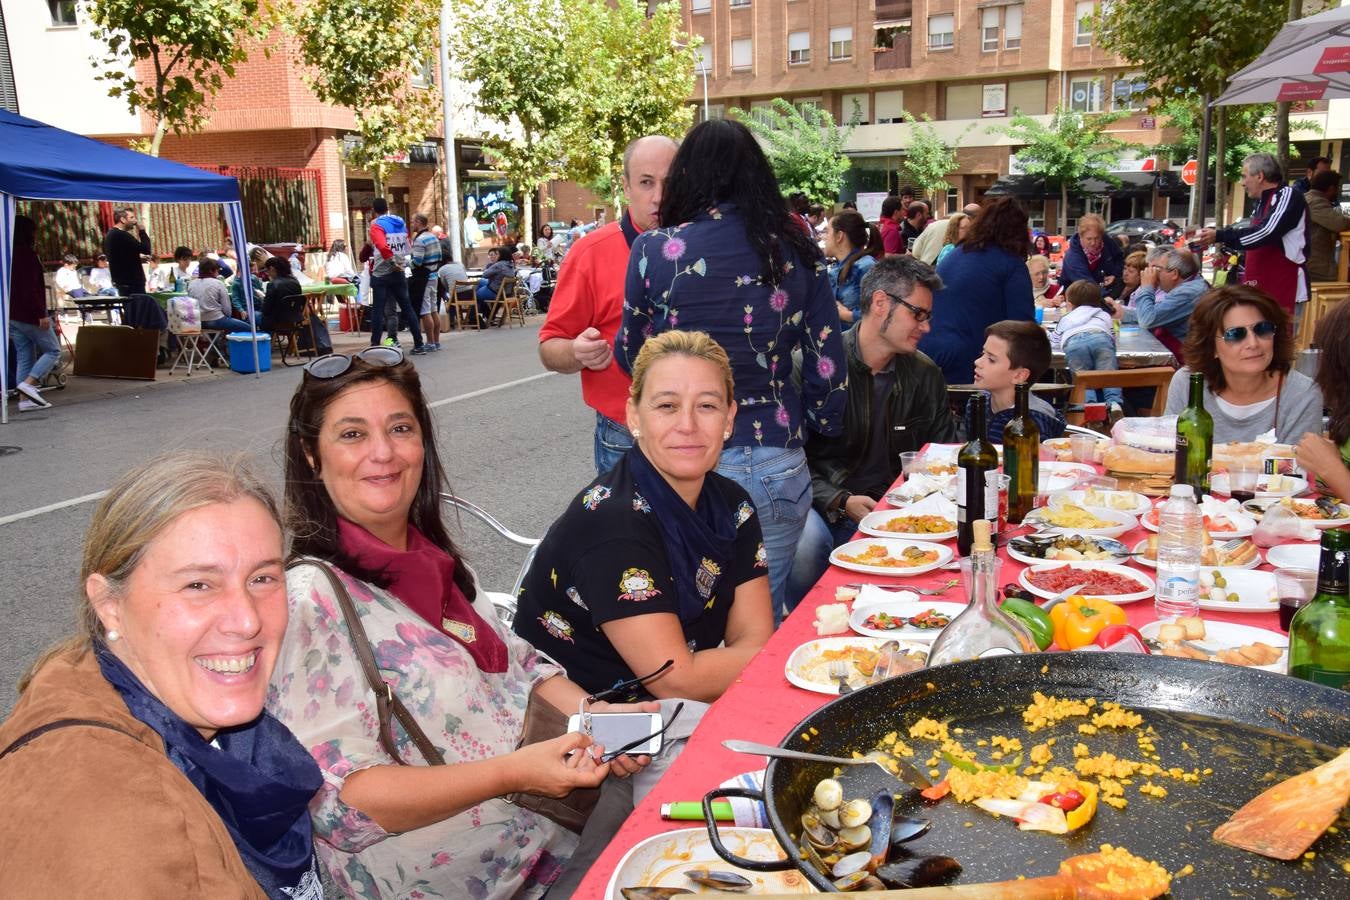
(241,352)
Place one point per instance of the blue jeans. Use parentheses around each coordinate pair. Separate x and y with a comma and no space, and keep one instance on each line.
(612,441)
(486,297)
(1093,351)
(32,342)
(382,286)
(779,484)
(227,324)
(818,539)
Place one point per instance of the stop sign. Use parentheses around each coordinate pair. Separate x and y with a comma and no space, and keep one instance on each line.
(1190,171)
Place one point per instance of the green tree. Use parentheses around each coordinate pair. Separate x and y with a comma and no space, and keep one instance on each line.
(192,46)
(363,54)
(1250,129)
(928,158)
(1072,147)
(804,147)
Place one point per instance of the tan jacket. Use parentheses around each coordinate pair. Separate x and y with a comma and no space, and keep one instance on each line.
(1327,222)
(91,812)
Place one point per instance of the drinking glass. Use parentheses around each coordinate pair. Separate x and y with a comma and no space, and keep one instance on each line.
(1295,587)
(1083,447)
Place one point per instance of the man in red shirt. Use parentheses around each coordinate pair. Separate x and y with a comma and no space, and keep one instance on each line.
(587,304)
(892,213)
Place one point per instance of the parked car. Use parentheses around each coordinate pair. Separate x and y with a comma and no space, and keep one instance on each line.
(1152,231)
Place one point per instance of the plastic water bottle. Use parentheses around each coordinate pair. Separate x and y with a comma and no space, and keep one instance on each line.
(1181,540)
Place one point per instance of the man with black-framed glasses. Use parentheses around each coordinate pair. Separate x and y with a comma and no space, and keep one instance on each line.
(897,401)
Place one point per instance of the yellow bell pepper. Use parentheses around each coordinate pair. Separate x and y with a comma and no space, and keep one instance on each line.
(1078,619)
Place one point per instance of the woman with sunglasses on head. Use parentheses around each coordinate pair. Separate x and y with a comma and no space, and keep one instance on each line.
(1240,339)
(659,558)
(363,489)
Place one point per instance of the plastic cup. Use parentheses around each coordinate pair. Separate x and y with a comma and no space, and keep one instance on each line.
(1294,587)
(1243,476)
(1083,447)
(1004,481)
(909,461)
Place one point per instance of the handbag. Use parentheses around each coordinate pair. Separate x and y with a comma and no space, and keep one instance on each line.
(542,721)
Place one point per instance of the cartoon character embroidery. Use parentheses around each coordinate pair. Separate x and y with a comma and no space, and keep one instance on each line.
(743,513)
(640,504)
(705,579)
(761,558)
(595,496)
(637,585)
(557,626)
(575,596)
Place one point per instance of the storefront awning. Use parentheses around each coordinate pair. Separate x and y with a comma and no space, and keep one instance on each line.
(1034,187)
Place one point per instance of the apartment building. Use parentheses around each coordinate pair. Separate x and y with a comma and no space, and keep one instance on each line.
(967,64)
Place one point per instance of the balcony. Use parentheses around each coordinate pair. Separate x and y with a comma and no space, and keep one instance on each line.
(898,56)
(894,9)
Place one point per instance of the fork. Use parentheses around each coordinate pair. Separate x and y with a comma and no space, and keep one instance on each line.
(839,672)
(927,592)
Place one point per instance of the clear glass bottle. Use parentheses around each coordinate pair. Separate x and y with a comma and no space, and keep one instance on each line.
(982,629)
(1319,636)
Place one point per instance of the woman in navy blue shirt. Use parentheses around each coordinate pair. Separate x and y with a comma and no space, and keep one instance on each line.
(984,280)
(738,267)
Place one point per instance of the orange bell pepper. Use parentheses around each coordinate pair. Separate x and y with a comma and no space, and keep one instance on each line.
(1078,620)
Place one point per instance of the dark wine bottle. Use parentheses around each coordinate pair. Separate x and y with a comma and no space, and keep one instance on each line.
(975,498)
(1021,456)
(1319,635)
(1195,441)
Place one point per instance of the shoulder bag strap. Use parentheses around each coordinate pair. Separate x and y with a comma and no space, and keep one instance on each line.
(30,736)
(386,702)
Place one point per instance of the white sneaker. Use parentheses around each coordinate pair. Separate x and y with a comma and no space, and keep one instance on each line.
(26,405)
(32,393)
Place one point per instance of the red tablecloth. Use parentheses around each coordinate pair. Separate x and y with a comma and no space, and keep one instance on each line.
(762,706)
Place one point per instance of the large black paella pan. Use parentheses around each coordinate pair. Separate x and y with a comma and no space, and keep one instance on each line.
(1251,728)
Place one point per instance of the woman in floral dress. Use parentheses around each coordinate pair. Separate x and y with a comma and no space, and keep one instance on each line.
(363,485)
(735,265)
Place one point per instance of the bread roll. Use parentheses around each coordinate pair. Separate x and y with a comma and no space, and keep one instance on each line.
(1119,458)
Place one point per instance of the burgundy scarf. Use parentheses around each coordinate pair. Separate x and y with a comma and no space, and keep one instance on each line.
(423,578)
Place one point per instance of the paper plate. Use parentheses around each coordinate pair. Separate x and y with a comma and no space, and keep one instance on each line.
(1226,635)
(1295,556)
(893,548)
(661,861)
(1132,502)
(805,670)
(907,608)
(1142,560)
(1061,476)
(1121,523)
(1259,506)
(874,523)
(1111,544)
(1244,523)
(1147,588)
(1293,486)
(1255,590)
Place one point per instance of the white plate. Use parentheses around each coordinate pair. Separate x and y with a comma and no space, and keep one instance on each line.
(1257,590)
(1295,556)
(1262,505)
(932,505)
(1123,522)
(1138,503)
(1293,486)
(1108,543)
(1226,635)
(1146,586)
(1244,523)
(661,860)
(893,549)
(902,608)
(798,668)
(1153,564)
(1061,476)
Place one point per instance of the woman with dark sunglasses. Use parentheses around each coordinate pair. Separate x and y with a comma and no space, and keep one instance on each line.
(363,487)
(1242,341)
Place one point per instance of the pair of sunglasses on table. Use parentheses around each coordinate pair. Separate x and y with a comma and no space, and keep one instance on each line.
(621,690)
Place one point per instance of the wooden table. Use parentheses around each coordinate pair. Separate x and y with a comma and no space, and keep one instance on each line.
(1136,348)
(762,706)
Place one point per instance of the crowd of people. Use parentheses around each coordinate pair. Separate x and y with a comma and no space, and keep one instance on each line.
(262,696)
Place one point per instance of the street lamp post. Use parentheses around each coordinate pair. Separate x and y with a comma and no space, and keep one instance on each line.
(448,131)
(703,70)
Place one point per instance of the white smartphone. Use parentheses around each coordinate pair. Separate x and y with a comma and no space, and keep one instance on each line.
(615,730)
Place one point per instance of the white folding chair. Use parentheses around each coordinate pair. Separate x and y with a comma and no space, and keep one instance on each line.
(504,604)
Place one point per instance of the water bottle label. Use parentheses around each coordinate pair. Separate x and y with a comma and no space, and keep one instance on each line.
(1179,588)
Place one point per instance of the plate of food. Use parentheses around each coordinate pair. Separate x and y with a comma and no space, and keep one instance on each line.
(1221,523)
(1244,556)
(1238,590)
(1039,548)
(1295,556)
(1132,502)
(1322,512)
(859,658)
(931,519)
(666,861)
(1119,584)
(1062,476)
(1070,518)
(890,556)
(1267,486)
(1227,642)
(911,620)
(1063,450)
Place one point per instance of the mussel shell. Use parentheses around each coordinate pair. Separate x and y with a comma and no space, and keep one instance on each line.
(856,838)
(815,832)
(652,893)
(853,881)
(883,814)
(723,881)
(854,862)
(920,871)
(904,829)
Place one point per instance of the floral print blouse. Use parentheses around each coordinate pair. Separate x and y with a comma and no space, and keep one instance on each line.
(704,275)
(495,849)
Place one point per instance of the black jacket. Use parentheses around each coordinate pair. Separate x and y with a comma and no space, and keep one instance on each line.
(918,412)
(1075,266)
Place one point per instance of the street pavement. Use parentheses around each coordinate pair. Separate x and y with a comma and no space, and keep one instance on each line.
(514,438)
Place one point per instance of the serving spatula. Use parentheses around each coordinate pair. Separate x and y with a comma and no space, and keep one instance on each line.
(1283,821)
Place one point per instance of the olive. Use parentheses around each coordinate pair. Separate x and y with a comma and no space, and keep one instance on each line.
(1013,590)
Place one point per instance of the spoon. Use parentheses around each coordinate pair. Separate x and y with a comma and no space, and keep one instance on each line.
(907,773)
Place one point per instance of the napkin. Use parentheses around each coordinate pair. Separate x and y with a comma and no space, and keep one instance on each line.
(872,593)
(932,505)
(748,813)
(921,484)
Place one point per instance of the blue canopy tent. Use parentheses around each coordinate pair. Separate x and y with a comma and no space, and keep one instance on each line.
(39,162)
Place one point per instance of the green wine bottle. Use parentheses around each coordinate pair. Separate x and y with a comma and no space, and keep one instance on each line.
(977,458)
(1195,441)
(1021,456)
(1319,636)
